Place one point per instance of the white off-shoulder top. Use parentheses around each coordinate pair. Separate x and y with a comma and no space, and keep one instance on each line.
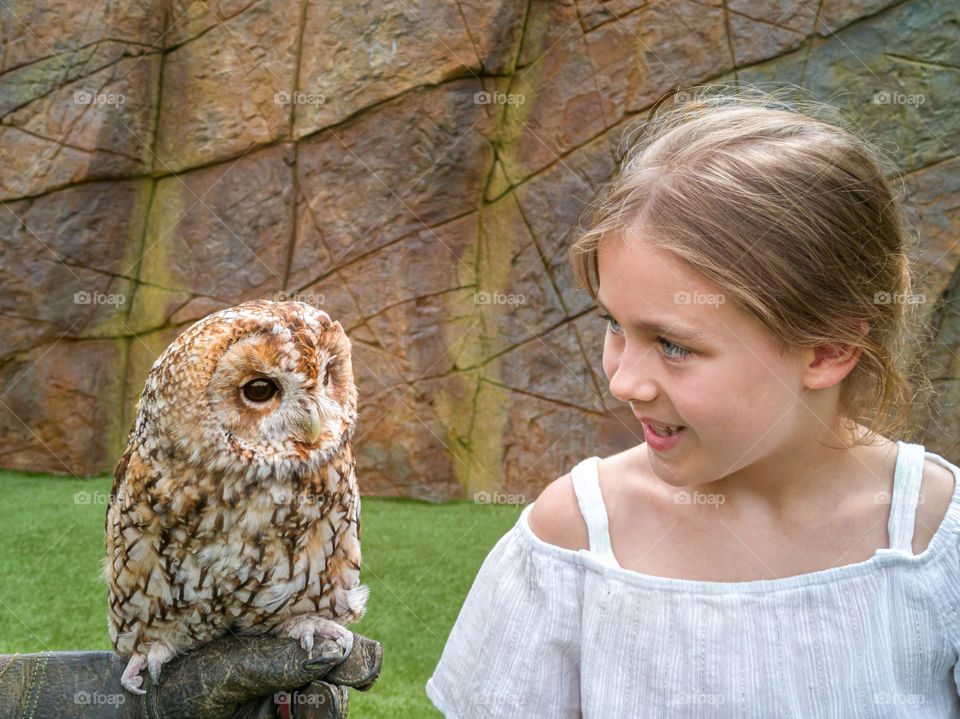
(550,632)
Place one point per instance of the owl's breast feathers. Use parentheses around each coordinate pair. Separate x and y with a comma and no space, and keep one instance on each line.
(191,555)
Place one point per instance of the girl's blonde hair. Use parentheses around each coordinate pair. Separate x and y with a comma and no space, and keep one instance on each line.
(794,218)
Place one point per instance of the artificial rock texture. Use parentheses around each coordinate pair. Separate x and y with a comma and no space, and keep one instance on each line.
(417,169)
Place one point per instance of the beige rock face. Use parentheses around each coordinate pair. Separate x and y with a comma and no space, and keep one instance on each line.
(418,170)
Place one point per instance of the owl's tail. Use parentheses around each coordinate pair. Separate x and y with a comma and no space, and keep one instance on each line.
(357,601)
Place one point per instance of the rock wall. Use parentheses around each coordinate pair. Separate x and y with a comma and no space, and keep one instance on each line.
(418,169)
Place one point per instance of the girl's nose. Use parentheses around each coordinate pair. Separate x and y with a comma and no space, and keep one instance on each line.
(632,379)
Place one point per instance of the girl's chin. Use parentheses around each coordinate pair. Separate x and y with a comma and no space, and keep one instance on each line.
(666,473)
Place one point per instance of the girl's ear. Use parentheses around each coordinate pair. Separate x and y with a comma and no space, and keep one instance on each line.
(830,363)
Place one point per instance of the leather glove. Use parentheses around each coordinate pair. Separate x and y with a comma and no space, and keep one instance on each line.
(230,678)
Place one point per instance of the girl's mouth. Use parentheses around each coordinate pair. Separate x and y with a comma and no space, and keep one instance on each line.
(664,430)
(662,437)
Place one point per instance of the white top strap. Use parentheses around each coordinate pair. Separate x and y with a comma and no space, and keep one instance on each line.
(906,490)
(586,485)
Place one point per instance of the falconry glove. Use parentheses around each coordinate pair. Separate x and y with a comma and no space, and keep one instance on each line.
(230,678)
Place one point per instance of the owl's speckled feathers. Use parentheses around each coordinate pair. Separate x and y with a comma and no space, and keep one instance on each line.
(235,507)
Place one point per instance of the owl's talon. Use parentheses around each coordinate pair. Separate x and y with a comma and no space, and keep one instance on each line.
(346,641)
(158,655)
(305,627)
(133,685)
(131,679)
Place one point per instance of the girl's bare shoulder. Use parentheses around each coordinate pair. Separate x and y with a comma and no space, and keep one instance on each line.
(555,516)
(936,493)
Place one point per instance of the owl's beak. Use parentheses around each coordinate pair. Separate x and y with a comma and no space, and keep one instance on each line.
(310,424)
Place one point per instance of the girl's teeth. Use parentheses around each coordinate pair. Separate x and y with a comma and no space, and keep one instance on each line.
(662,430)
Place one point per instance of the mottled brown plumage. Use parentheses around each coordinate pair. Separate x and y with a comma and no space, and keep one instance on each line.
(235,507)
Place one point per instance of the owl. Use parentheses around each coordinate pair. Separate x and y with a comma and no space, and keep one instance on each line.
(235,507)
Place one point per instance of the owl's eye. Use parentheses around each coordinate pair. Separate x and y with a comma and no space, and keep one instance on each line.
(260,389)
(326,375)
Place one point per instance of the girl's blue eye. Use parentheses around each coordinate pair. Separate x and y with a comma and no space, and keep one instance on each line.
(681,354)
(671,351)
(612,324)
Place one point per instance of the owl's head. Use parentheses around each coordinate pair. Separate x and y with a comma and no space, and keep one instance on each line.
(264,388)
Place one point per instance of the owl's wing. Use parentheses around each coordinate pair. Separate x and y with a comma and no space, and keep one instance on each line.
(118,478)
(130,472)
(132,552)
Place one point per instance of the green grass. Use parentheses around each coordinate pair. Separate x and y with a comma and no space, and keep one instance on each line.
(419,560)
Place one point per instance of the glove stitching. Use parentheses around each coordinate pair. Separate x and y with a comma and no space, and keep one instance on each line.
(33,678)
(40,666)
(152,704)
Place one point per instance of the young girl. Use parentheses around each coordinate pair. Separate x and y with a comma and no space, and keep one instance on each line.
(767,551)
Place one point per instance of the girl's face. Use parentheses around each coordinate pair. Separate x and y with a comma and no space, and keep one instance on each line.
(709,366)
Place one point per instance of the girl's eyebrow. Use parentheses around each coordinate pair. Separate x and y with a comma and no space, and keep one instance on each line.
(682,333)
